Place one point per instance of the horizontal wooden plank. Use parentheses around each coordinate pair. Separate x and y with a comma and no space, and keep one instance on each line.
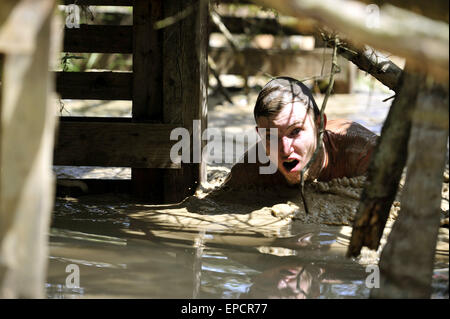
(96,119)
(127,3)
(139,145)
(95,85)
(99,38)
(236,2)
(77,187)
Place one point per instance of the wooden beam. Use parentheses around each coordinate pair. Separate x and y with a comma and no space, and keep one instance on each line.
(95,85)
(114,144)
(127,3)
(15,40)
(394,31)
(77,187)
(147,184)
(185,84)
(91,119)
(27,123)
(407,261)
(434,9)
(147,61)
(99,38)
(386,167)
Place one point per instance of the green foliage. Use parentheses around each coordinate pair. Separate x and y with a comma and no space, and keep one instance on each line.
(100,61)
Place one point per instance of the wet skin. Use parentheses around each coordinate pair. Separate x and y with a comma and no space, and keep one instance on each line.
(297,139)
(347,150)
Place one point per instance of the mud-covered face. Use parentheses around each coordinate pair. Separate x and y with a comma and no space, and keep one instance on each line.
(297,139)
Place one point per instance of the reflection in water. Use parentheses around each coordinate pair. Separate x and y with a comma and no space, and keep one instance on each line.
(119,261)
(293,281)
(199,245)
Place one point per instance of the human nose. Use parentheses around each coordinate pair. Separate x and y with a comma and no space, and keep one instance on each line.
(285,146)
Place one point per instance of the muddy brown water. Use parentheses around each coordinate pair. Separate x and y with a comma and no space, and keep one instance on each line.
(207,247)
(121,252)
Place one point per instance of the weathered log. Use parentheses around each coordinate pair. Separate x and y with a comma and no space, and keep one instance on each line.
(398,31)
(16,40)
(407,260)
(386,168)
(434,9)
(27,122)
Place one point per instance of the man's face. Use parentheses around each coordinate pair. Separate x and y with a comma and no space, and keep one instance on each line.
(297,139)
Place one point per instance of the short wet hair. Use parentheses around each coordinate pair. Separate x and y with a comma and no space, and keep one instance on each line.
(282,91)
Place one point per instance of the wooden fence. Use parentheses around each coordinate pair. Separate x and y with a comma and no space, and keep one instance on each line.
(167,88)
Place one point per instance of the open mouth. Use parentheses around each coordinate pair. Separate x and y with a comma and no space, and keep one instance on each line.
(290,164)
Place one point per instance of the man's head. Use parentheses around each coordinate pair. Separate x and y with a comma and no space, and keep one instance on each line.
(288,105)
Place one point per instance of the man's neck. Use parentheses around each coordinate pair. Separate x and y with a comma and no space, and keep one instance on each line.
(319,164)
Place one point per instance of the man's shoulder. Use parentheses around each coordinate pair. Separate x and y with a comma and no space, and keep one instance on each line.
(348,127)
(350,146)
(352,132)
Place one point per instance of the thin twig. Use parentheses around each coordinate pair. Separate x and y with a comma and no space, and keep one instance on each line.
(234,44)
(164,23)
(334,68)
(318,77)
(222,89)
(218,22)
(391,97)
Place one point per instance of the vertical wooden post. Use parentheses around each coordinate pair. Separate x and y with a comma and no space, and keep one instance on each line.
(147,89)
(185,83)
(177,88)
(27,123)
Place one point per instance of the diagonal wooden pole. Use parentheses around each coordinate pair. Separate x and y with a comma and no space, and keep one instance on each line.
(386,167)
(407,260)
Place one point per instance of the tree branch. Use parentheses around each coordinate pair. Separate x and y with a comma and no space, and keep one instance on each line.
(422,41)
(334,70)
(370,61)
